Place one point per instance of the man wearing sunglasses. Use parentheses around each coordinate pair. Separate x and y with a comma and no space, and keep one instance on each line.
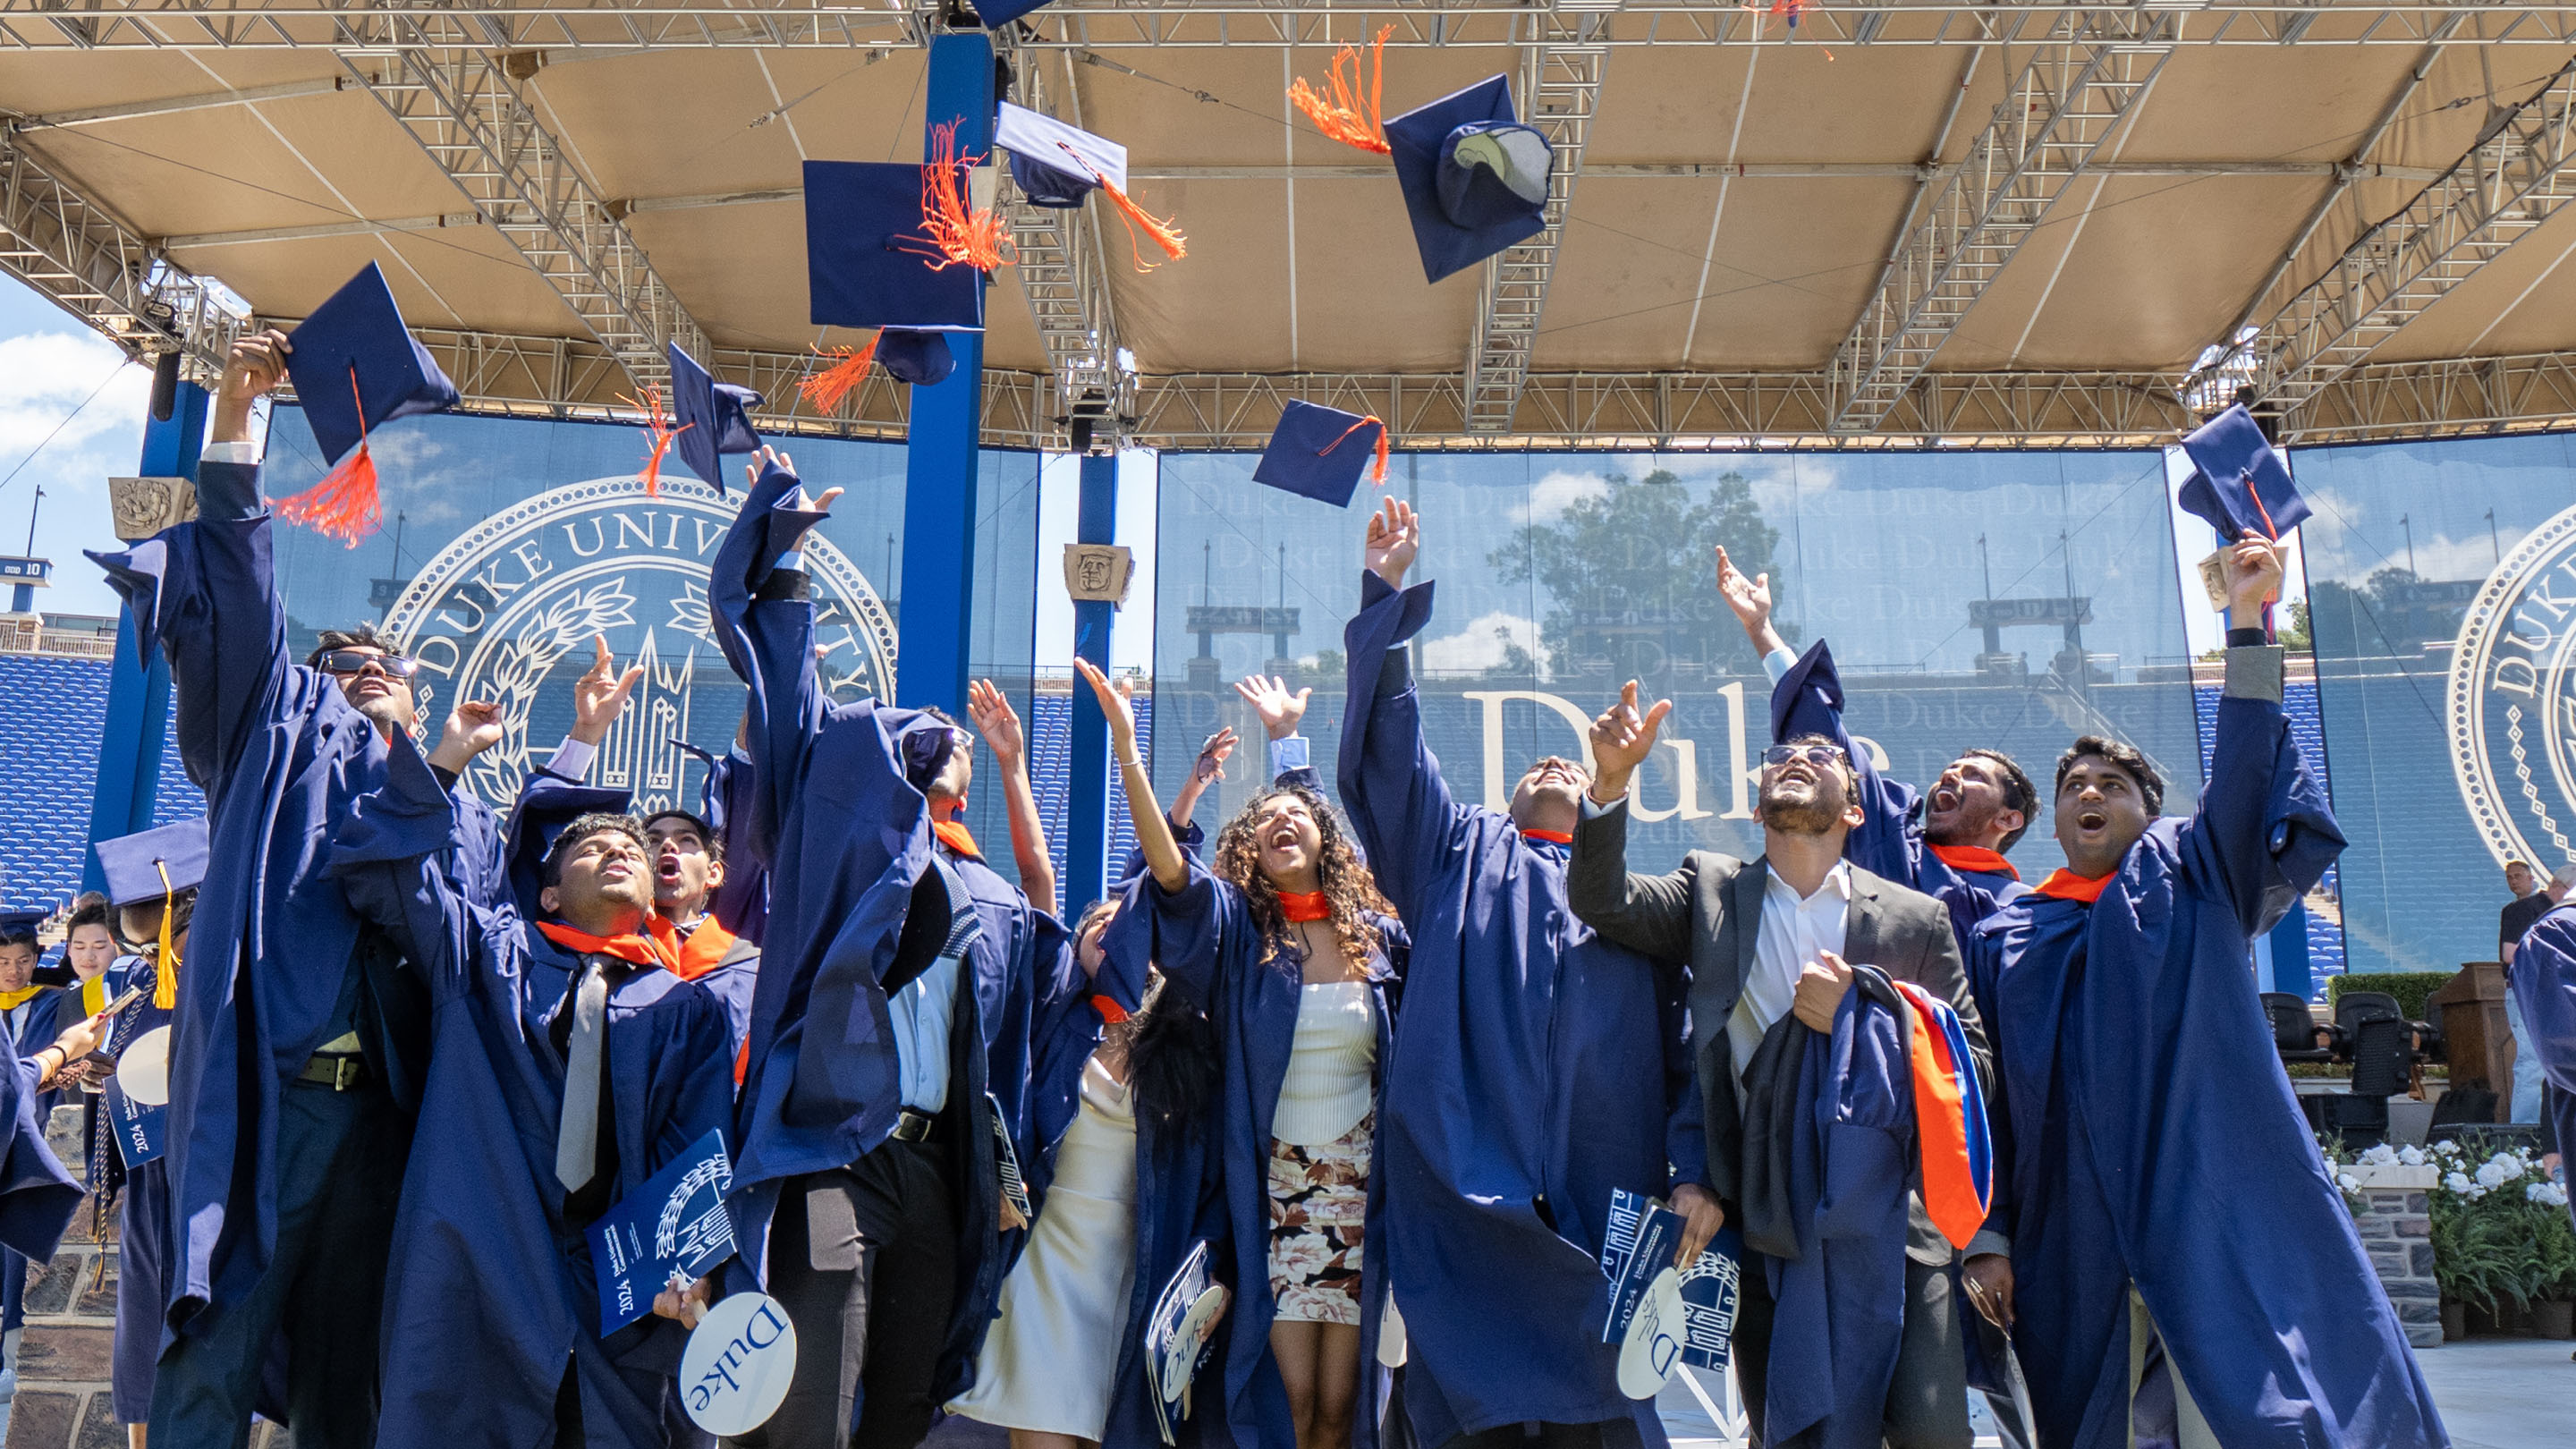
(1771,944)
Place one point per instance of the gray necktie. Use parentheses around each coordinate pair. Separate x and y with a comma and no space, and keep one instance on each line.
(577,1139)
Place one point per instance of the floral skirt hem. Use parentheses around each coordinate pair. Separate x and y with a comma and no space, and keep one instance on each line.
(1318,1218)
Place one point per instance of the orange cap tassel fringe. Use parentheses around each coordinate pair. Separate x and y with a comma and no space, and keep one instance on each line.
(825,389)
(658,432)
(956,231)
(1340,116)
(1166,234)
(344,505)
(1377,474)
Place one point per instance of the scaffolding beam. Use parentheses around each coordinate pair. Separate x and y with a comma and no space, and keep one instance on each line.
(1560,87)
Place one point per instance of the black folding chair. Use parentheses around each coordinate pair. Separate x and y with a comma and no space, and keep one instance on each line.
(2296,1033)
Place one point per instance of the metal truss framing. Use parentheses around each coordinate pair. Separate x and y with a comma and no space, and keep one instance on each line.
(91,263)
(1561,89)
(615,25)
(467,115)
(2088,72)
(1062,270)
(2510,183)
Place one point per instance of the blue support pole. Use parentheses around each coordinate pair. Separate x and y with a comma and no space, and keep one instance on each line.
(947,422)
(138,698)
(1086,858)
(2291,970)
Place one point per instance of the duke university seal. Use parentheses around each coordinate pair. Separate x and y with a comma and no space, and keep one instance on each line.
(507,612)
(2512,701)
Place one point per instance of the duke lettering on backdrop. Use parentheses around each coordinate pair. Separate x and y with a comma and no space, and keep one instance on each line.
(2511,710)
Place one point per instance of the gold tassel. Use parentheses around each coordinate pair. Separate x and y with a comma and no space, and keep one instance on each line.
(165,984)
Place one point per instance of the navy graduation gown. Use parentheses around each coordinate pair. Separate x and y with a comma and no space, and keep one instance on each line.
(1204,940)
(490,1291)
(2155,1139)
(846,839)
(143,1221)
(2544,981)
(280,754)
(37,1197)
(1889,841)
(1538,1068)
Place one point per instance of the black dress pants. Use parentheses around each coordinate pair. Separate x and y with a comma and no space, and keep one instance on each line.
(1927,1399)
(864,1259)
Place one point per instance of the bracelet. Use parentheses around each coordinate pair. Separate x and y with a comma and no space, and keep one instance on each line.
(1131,762)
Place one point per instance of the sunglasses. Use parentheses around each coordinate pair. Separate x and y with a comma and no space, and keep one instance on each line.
(345,662)
(1821,756)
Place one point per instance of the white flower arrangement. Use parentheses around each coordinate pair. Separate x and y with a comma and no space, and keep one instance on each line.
(2547,1194)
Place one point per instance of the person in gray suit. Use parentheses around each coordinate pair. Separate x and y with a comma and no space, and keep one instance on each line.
(1770,939)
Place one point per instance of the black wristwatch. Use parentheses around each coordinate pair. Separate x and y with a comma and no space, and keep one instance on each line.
(2243,638)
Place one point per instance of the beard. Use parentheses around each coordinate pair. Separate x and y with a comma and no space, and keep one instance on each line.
(1799,814)
(1962,826)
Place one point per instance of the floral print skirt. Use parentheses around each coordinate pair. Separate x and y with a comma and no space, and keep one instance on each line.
(1318,1216)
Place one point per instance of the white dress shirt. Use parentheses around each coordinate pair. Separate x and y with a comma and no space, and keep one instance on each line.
(1793,932)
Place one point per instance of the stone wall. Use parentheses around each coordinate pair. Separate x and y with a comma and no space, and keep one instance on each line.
(2396,1229)
(63,1357)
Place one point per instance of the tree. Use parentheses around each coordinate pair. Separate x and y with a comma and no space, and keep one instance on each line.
(1631,576)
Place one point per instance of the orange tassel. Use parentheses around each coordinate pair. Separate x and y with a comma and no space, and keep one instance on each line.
(1340,116)
(825,389)
(658,432)
(1377,474)
(1166,234)
(956,232)
(344,505)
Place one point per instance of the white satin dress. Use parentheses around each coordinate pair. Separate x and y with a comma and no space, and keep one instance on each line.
(1049,1359)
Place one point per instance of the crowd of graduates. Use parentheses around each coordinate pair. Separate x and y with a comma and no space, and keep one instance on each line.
(1376,1062)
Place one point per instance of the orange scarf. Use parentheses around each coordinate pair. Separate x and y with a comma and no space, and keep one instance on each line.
(697,953)
(1975,859)
(954,835)
(2066,885)
(630,948)
(1950,1123)
(1552,837)
(1303,906)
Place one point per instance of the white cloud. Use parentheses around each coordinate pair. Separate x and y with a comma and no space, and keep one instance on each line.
(44,376)
(1555,493)
(1482,645)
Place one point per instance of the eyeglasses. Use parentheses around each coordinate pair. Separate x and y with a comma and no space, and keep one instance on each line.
(345,662)
(1823,757)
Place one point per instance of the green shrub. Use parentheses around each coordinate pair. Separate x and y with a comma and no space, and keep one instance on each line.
(2411,988)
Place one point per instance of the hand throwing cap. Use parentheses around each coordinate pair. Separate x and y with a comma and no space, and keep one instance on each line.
(133,864)
(868,258)
(1319,453)
(1475,180)
(2241,482)
(714,418)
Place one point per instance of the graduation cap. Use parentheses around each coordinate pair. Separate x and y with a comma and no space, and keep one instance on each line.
(997,13)
(1059,165)
(1475,180)
(714,418)
(889,244)
(15,922)
(153,863)
(547,807)
(919,358)
(1307,454)
(2241,482)
(356,367)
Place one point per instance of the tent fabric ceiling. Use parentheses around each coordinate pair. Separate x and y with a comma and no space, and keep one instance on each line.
(1735,266)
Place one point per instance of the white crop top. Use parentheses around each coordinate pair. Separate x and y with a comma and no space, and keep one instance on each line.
(1331,1067)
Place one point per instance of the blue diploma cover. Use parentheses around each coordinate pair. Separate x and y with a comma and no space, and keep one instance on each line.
(1643,1236)
(674,1224)
(138,1126)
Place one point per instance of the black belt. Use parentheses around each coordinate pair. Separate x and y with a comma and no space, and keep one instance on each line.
(916,1125)
(337,1070)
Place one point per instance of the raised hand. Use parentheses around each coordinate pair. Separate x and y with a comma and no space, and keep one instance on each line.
(2254,567)
(1750,598)
(472,727)
(1269,697)
(1115,702)
(774,457)
(1394,537)
(1213,755)
(252,370)
(997,722)
(599,696)
(1621,739)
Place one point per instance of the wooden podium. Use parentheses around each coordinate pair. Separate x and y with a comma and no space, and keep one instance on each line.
(2474,1031)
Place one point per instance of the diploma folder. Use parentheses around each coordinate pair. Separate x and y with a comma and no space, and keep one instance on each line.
(673,1224)
(1643,1236)
(1179,1337)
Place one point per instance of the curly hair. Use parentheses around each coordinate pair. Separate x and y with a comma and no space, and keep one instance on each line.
(1349,889)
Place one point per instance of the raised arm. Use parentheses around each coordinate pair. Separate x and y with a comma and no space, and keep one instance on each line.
(762,602)
(1163,857)
(1206,770)
(386,854)
(2264,832)
(1649,913)
(999,724)
(1391,787)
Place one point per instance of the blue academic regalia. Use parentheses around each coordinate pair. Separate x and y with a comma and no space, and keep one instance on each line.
(2544,981)
(279,754)
(25,1028)
(741,904)
(1808,700)
(846,838)
(1204,940)
(143,1221)
(2155,1139)
(1538,1067)
(490,1292)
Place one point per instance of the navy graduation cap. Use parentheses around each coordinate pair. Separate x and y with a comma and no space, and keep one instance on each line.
(919,358)
(1056,164)
(869,260)
(2240,483)
(714,418)
(1475,180)
(1319,452)
(997,13)
(356,367)
(133,866)
(15,920)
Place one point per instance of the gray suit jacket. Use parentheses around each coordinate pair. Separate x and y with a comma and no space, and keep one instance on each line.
(1708,916)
